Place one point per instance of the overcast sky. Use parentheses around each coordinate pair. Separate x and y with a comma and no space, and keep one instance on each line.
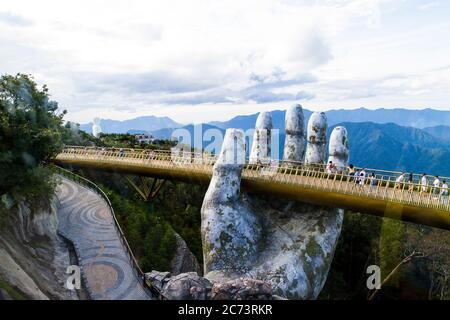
(209,60)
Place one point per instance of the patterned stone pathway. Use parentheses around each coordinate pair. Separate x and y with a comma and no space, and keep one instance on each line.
(85,220)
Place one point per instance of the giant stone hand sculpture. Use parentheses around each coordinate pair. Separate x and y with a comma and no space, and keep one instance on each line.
(287,244)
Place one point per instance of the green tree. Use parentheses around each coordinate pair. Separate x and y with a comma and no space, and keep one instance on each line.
(30,134)
(73,136)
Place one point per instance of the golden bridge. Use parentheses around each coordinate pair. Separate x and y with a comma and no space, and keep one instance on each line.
(309,183)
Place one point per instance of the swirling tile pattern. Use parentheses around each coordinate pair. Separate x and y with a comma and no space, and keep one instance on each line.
(85,220)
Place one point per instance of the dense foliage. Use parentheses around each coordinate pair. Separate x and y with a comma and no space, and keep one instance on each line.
(145,224)
(149,235)
(29,136)
(126,140)
(367,240)
(73,136)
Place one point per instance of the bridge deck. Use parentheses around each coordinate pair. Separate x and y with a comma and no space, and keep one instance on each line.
(85,219)
(308,183)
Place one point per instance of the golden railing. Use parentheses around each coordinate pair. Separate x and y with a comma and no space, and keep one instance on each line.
(279,175)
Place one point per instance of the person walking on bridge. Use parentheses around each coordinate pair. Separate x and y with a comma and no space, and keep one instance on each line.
(424,183)
(399,181)
(411,183)
(444,192)
(351,172)
(330,167)
(373,180)
(357,178)
(362,179)
(436,184)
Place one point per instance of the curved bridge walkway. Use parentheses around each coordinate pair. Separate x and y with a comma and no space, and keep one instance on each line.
(299,181)
(86,221)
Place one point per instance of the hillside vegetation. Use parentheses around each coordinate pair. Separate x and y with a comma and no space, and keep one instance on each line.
(393,147)
(30,135)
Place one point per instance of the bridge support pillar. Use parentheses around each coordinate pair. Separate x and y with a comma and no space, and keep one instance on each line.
(147,188)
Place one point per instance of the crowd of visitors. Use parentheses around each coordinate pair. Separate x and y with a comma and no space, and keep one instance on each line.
(359,177)
(439,189)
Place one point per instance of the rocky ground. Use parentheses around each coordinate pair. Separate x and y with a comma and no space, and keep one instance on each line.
(33,258)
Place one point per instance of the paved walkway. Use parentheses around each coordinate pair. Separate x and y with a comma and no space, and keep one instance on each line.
(85,220)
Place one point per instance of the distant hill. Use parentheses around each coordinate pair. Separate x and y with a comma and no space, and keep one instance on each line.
(393,147)
(377,139)
(248,121)
(146,123)
(441,132)
(412,118)
(380,146)
(134,131)
(404,117)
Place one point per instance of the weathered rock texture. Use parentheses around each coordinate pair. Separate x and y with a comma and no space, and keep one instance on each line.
(287,245)
(185,286)
(294,144)
(230,232)
(184,260)
(241,289)
(260,152)
(190,286)
(316,138)
(338,150)
(33,258)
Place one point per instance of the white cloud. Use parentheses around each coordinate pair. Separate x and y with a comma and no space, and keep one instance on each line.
(198,59)
(428,5)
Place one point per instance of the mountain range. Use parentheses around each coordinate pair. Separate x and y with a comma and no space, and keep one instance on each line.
(398,139)
(377,145)
(393,147)
(145,123)
(441,132)
(404,117)
(413,118)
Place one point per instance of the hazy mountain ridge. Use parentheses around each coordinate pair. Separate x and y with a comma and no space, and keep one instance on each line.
(380,146)
(394,147)
(404,117)
(441,132)
(425,118)
(387,145)
(145,123)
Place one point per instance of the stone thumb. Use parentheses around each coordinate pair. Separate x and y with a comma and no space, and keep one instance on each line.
(226,179)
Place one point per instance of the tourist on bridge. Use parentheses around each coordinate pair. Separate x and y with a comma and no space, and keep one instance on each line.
(357,178)
(351,171)
(399,181)
(373,181)
(411,183)
(330,167)
(362,177)
(436,184)
(424,183)
(444,192)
